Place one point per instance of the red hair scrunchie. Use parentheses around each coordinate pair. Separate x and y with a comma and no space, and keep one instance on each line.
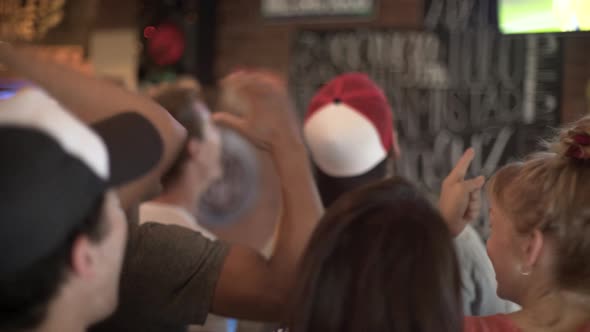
(578,151)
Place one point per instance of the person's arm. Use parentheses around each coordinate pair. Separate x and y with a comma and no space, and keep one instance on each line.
(250,286)
(93,100)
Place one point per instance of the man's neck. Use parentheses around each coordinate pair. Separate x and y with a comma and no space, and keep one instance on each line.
(179,198)
(62,318)
(61,325)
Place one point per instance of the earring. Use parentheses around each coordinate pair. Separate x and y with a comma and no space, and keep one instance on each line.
(522,272)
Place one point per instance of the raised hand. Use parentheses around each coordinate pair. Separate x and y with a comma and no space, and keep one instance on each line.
(258,105)
(460,199)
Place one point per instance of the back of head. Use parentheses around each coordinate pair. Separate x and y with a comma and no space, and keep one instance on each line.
(381,259)
(549,191)
(181,99)
(332,187)
(349,131)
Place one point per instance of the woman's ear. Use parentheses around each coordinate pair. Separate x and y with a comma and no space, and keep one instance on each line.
(532,248)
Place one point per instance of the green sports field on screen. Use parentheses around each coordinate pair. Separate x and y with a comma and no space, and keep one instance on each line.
(539,16)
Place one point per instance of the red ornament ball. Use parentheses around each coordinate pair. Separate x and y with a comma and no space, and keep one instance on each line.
(166,44)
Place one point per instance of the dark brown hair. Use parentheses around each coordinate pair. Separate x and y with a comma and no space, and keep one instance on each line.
(331,188)
(549,191)
(180,102)
(381,259)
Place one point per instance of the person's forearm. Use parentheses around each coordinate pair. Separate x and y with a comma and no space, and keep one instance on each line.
(92,100)
(251,287)
(302,210)
(88,98)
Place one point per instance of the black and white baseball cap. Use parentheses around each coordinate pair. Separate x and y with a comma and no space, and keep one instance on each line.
(54,169)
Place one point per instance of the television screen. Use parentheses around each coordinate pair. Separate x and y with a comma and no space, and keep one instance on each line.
(542,16)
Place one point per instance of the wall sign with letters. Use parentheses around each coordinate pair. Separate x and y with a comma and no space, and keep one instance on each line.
(312,8)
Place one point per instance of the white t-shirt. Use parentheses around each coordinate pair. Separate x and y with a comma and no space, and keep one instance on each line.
(172,215)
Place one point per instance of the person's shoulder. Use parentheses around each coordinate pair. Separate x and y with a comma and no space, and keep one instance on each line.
(166,262)
(489,323)
(153,245)
(469,237)
(472,253)
(170,236)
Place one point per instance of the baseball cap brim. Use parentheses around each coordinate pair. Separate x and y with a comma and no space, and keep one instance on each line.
(134,146)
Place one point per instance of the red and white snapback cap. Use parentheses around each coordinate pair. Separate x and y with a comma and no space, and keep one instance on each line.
(349,126)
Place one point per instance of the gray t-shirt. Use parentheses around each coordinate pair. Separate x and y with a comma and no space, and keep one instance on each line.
(168,279)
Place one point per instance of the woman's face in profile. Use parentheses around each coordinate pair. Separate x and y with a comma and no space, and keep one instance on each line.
(502,252)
